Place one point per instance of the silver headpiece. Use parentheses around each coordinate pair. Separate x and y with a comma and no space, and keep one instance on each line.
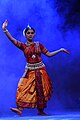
(25,29)
(29,26)
(24,32)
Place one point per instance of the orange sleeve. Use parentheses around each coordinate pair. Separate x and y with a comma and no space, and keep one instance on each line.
(21,45)
(43,49)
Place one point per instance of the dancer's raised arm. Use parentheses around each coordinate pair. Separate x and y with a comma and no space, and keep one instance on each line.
(12,39)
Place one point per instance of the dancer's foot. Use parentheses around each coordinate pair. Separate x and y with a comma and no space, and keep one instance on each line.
(42,113)
(16,110)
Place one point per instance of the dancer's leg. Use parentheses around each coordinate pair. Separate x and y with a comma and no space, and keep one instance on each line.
(17,110)
(41,112)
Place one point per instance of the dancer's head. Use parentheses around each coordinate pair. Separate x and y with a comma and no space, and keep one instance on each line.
(29,32)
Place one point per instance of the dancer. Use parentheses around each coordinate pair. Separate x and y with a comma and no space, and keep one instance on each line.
(35,87)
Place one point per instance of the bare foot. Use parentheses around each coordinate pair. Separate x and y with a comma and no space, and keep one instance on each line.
(42,113)
(16,110)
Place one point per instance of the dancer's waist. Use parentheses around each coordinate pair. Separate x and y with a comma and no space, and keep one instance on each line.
(35,65)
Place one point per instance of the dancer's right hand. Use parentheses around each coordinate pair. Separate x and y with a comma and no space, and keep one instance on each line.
(5,25)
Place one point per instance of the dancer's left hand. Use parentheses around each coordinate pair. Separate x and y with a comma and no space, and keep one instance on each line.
(64,50)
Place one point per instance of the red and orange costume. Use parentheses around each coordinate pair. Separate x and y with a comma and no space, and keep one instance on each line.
(35,87)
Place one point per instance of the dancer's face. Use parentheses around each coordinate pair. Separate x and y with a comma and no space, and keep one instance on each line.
(30,34)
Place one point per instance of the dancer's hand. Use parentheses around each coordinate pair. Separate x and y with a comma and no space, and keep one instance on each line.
(5,25)
(64,50)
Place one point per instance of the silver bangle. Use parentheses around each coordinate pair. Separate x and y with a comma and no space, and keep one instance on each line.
(5,30)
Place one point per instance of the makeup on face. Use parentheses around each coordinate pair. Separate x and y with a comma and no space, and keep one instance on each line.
(30,32)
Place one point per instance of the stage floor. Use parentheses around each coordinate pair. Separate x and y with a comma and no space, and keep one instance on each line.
(68,116)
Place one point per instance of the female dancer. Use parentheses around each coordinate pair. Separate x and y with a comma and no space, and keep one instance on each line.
(35,87)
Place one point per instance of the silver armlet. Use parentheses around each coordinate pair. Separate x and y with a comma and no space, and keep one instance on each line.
(5,30)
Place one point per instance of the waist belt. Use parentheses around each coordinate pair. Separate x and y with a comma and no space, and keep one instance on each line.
(34,66)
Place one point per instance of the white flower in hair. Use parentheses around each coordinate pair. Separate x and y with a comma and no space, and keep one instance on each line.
(24,32)
(29,26)
(25,29)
